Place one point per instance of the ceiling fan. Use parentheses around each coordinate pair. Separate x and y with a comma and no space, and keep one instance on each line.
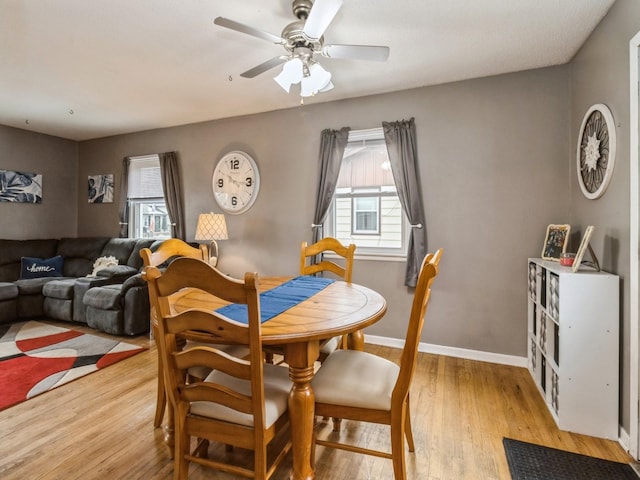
(302,39)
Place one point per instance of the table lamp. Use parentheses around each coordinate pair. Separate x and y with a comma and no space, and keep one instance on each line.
(211,227)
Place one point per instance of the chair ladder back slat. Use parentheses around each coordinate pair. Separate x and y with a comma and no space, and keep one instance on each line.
(331,245)
(172,247)
(220,394)
(214,359)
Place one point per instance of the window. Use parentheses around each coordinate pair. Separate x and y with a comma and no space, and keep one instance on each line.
(148,217)
(366,209)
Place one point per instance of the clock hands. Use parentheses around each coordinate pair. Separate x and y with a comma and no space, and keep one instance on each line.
(233,180)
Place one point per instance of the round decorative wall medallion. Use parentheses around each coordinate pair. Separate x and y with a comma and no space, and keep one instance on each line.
(236,181)
(596,153)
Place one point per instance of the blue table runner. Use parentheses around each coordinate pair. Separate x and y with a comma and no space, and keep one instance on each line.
(275,301)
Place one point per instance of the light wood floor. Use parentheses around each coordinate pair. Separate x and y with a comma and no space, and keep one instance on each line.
(100,427)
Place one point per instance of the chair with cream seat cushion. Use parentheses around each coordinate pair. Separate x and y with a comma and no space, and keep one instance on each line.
(364,387)
(309,253)
(167,250)
(308,266)
(242,402)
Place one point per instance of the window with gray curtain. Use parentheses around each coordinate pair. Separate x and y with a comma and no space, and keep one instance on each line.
(400,138)
(332,145)
(151,200)
(172,187)
(366,210)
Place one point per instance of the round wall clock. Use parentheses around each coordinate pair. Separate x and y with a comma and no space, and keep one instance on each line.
(236,182)
(596,154)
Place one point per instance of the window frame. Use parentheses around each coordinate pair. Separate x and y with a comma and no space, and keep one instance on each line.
(369,253)
(354,214)
(136,227)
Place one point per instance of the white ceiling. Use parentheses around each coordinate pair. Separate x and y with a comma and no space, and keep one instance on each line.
(82,69)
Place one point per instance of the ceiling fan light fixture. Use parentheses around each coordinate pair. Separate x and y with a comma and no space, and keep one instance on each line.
(291,73)
(302,39)
(316,81)
(327,87)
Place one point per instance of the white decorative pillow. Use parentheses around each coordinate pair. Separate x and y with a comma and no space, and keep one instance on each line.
(103,262)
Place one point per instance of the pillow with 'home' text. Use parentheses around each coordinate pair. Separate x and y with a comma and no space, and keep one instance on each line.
(41,267)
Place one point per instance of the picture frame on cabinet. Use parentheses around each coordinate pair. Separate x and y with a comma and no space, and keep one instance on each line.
(584,245)
(555,241)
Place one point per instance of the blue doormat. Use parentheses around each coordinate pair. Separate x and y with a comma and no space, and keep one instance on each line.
(528,461)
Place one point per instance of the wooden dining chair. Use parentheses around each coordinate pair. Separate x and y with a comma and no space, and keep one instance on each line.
(308,266)
(168,249)
(242,402)
(364,387)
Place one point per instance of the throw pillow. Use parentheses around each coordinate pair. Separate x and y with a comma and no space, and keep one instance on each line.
(103,262)
(41,267)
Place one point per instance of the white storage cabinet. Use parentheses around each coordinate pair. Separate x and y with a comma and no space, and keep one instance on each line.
(573,341)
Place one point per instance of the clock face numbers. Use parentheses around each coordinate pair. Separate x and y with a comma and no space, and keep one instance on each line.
(596,151)
(235,182)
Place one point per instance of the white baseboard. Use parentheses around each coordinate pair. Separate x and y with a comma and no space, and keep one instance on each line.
(623,438)
(499,358)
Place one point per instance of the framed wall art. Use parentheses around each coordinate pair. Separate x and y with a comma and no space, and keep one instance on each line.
(20,187)
(100,188)
(555,242)
(596,153)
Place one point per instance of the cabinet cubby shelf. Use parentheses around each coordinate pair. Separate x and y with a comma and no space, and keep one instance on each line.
(573,343)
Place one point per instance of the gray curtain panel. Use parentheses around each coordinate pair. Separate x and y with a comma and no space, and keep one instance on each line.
(123,203)
(172,188)
(332,145)
(400,138)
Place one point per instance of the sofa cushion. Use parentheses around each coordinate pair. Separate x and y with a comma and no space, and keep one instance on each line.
(8,291)
(116,271)
(79,254)
(62,289)
(11,251)
(32,267)
(106,297)
(120,248)
(32,286)
(135,260)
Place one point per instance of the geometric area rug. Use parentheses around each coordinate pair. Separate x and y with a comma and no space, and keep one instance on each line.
(536,462)
(36,357)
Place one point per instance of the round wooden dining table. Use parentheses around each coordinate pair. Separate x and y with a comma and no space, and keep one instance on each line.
(339,309)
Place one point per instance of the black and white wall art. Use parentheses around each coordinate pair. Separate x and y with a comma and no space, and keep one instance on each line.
(20,187)
(101,188)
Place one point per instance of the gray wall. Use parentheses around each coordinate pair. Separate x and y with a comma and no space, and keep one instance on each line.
(57,160)
(600,74)
(494,172)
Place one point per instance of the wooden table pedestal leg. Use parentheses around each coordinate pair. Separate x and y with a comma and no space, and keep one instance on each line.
(301,357)
(355,340)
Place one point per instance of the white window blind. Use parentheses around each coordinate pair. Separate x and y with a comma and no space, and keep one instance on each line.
(144,177)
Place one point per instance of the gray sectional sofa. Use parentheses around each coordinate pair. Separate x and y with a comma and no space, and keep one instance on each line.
(123,311)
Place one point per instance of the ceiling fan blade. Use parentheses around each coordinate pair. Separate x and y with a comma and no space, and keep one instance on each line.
(263,67)
(356,52)
(240,27)
(320,17)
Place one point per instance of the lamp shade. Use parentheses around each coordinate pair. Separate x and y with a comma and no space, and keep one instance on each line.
(291,73)
(317,79)
(211,226)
